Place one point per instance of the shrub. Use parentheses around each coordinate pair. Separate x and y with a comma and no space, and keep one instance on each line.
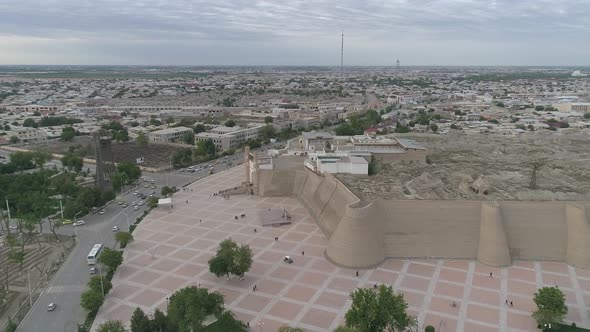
(429,328)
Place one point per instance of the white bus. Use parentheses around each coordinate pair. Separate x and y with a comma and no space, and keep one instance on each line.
(93,255)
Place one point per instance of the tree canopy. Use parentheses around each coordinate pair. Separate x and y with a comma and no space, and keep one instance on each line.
(551,307)
(377,310)
(231,258)
(67,134)
(188,308)
(112,326)
(111,258)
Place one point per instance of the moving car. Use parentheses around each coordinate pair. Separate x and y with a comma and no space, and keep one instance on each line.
(51,306)
(101,212)
(124,205)
(79,222)
(115,228)
(288,259)
(120,202)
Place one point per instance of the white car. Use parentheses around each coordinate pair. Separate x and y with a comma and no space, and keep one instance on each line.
(92,270)
(51,306)
(140,203)
(101,212)
(79,223)
(115,228)
(136,208)
(12,226)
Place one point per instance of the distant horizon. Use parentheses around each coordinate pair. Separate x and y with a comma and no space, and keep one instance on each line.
(569,66)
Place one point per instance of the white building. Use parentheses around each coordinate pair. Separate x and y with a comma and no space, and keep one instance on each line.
(337,163)
(169,135)
(226,138)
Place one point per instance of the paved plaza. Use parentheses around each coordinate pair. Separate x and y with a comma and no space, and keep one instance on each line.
(172,247)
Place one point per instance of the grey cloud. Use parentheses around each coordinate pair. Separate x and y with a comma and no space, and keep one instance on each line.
(298,31)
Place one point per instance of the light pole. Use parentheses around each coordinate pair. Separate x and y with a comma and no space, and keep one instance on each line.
(127,220)
(167,302)
(29,278)
(61,208)
(260,325)
(75,220)
(100,274)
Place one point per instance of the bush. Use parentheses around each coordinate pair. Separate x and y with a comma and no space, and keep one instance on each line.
(429,328)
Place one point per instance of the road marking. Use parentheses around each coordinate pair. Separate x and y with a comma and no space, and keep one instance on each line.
(65,289)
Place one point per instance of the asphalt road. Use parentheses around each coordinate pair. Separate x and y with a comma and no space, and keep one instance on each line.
(70,281)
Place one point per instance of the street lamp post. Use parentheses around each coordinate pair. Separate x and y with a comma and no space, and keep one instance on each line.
(61,208)
(167,302)
(100,274)
(127,220)
(29,278)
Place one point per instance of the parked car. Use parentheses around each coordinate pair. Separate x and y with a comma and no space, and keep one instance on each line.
(124,205)
(101,212)
(120,202)
(115,228)
(288,259)
(93,270)
(79,222)
(136,208)
(51,306)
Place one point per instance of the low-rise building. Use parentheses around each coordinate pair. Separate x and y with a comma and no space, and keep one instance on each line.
(28,135)
(226,138)
(168,135)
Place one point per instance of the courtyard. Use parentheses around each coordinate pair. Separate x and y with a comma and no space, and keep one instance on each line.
(172,247)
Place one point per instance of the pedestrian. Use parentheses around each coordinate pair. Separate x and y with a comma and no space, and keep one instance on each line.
(200,220)
(303,253)
(511,304)
(506,303)
(199,285)
(254,230)
(248,324)
(357,273)
(491,275)
(187,201)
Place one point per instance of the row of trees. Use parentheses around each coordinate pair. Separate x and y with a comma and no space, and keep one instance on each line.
(187,310)
(22,161)
(117,130)
(357,125)
(50,121)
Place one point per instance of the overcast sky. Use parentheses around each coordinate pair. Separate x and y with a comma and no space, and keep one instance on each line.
(295,32)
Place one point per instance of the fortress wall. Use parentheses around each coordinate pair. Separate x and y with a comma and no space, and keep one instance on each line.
(309,194)
(578,228)
(493,243)
(358,239)
(275,183)
(535,230)
(410,155)
(333,210)
(447,229)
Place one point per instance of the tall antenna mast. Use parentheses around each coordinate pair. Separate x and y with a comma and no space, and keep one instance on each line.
(342,53)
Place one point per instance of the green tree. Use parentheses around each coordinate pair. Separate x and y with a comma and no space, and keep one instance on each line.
(586,116)
(6,127)
(22,160)
(189,138)
(131,171)
(227,322)
(345,130)
(169,120)
(345,329)
(67,134)
(434,128)
(268,119)
(41,157)
(267,132)
(142,139)
(167,191)
(290,329)
(160,322)
(152,202)
(30,123)
(14,139)
(551,307)
(11,326)
(111,258)
(206,148)
(231,258)
(91,300)
(230,123)
(111,326)
(199,128)
(140,321)
(377,310)
(123,238)
(72,162)
(96,283)
(182,157)
(429,328)
(401,129)
(189,306)
(539,108)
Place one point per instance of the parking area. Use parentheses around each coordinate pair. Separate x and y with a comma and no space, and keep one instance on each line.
(172,247)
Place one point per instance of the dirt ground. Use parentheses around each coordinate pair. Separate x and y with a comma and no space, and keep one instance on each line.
(155,155)
(485,167)
(46,262)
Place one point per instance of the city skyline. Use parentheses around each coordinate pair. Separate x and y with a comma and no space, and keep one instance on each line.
(155,32)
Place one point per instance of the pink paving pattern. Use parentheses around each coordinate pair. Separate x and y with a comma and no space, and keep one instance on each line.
(172,247)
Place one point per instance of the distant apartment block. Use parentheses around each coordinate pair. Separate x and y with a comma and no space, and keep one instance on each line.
(28,135)
(34,108)
(169,135)
(573,107)
(226,138)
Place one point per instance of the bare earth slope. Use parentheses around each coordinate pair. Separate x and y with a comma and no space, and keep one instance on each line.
(485,167)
